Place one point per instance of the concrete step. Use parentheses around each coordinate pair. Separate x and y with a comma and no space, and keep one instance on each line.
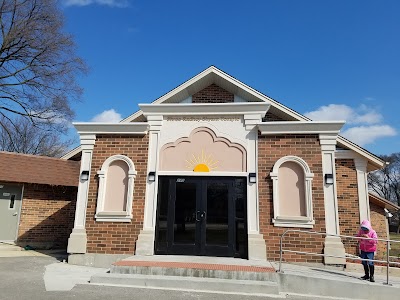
(188,283)
(253,273)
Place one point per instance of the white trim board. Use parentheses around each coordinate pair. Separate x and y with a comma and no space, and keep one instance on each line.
(204,109)
(295,127)
(114,128)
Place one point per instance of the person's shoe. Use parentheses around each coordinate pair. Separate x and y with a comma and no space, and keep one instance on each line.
(371,271)
(366,271)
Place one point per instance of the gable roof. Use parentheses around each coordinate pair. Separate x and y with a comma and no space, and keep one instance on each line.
(382,202)
(229,83)
(27,168)
(214,75)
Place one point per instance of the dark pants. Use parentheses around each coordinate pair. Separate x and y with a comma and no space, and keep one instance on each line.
(367,255)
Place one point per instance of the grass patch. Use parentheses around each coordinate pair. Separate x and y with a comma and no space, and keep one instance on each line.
(395,247)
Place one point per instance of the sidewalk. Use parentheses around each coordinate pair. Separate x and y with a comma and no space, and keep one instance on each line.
(11,250)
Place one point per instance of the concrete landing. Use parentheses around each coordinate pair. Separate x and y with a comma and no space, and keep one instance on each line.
(209,267)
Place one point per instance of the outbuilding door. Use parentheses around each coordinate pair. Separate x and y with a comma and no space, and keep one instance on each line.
(10,204)
(202,216)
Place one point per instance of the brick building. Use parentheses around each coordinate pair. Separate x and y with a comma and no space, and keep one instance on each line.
(216,168)
(37,199)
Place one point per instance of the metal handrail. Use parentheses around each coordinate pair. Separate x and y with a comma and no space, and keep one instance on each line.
(387,261)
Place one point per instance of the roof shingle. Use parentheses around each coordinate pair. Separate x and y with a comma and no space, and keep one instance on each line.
(25,168)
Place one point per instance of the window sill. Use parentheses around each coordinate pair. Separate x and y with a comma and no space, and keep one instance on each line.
(297,222)
(113,217)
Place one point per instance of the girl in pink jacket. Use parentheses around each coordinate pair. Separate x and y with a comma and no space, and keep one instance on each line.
(368,248)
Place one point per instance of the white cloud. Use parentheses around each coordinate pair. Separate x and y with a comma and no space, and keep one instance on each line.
(111,3)
(363,135)
(361,115)
(363,124)
(107,116)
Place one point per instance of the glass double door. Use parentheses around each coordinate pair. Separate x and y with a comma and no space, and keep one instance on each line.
(202,216)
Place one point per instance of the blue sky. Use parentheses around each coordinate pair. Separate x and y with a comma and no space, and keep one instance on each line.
(325,59)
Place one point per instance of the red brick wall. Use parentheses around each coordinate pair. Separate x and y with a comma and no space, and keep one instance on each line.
(270,149)
(117,237)
(378,222)
(212,94)
(47,215)
(348,206)
(269,117)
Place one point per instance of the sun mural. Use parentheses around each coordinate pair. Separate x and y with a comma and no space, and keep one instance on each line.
(201,162)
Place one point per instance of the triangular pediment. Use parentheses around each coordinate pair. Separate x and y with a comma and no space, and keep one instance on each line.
(214,77)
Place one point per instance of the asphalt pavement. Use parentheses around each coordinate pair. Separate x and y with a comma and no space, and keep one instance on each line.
(37,277)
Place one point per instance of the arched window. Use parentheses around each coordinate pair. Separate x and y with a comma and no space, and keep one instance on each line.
(116,183)
(292,193)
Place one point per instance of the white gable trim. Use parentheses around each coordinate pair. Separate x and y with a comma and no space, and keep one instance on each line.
(295,127)
(205,109)
(71,153)
(139,128)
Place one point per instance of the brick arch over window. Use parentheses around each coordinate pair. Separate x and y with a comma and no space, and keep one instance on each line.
(116,186)
(203,146)
(292,193)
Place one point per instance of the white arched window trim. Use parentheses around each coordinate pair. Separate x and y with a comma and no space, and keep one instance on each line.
(115,216)
(293,221)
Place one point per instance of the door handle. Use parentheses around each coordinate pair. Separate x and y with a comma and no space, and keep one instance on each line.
(15,214)
(200,215)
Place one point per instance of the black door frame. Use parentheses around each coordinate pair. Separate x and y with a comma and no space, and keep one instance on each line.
(200,246)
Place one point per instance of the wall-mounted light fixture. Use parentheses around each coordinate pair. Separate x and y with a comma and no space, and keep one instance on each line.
(84,175)
(387,213)
(252,177)
(328,178)
(152,176)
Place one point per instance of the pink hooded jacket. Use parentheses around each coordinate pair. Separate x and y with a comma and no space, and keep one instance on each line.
(367,245)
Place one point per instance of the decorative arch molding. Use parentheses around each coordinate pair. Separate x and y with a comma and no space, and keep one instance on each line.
(203,146)
(218,131)
(121,164)
(305,219)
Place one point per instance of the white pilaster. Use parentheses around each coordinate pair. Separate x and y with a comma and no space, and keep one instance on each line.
(333,245)
(362,187)
(77,240)
(256,244)
(145,242)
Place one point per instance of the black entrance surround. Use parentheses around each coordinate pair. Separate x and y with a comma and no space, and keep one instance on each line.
(202,216)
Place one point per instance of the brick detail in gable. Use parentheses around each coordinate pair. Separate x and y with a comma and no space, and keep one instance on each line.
(212,94)
(269,117)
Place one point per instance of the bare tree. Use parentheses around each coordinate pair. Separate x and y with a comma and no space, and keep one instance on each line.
(38,63)
(386,182)
(23,136)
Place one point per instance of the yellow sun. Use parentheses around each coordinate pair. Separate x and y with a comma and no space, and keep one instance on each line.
(201,163)
(201,168)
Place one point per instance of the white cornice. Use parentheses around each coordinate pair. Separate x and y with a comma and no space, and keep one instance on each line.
(112,128)
(205,109)
(295,127)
